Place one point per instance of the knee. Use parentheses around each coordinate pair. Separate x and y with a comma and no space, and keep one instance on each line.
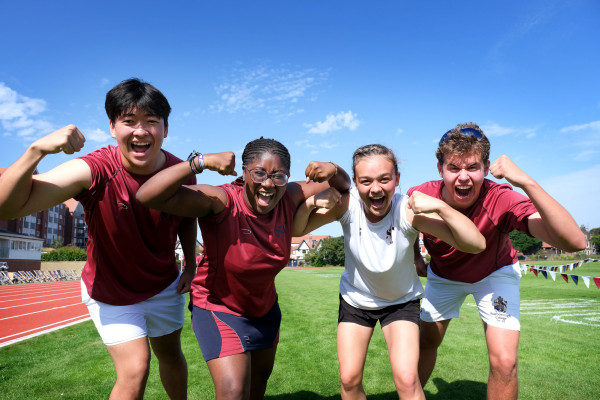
(406,382)
(232,390)
(504,365)
(134,375)
(350,380)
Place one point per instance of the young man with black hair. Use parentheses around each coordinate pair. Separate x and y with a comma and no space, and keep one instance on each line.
(130,282)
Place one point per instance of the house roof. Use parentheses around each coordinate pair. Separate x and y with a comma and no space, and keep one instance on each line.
(297,241)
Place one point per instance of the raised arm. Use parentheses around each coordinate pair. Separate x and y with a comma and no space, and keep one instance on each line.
(318,210)
(22,193)
(435,217)
(165,190)
(319,176)
(552,223)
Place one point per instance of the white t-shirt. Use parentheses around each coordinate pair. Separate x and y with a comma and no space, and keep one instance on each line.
(379,269)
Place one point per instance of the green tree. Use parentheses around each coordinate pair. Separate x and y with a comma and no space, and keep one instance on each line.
(595,232)
(525,243)
(58,242)
(596,243)
(331,252)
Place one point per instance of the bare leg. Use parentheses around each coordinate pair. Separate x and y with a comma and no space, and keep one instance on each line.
(231,376)
(432,334)
(503,347)
(171,364)
(132,363)
(262,362)
(402,338)
(352,343)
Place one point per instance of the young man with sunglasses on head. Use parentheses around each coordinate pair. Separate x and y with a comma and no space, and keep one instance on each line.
(492,276)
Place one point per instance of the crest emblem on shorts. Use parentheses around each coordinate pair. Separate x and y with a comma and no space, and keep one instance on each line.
(500,304)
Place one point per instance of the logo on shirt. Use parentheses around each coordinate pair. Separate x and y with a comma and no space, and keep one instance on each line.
(246,231)
(122,205)
(280,230)
(500,304)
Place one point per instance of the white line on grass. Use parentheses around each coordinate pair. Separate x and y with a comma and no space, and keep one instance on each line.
(569,311)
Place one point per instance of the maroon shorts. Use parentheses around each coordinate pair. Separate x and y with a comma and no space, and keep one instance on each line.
(221,334)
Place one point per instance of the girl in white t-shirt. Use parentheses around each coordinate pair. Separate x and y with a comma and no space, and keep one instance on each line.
(379,282)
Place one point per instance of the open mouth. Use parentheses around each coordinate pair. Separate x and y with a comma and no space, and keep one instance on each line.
(463,192)
(139,147)
(377,202)
(264,198)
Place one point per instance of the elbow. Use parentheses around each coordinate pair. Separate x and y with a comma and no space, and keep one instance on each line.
(143,198)
(577,244)
(475,248)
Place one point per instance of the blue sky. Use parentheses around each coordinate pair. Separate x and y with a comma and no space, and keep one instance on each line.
(322,77)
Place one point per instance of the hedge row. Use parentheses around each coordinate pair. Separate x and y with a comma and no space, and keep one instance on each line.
(65,254)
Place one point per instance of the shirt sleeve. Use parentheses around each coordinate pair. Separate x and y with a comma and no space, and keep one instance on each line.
(511,210)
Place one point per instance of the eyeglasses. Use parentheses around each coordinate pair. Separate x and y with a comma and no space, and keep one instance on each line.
(260,176)
(464,131)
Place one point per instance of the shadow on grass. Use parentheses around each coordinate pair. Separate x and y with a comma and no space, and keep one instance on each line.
(457,390)
(305,395)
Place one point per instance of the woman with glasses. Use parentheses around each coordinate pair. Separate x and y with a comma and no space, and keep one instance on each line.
(247,230)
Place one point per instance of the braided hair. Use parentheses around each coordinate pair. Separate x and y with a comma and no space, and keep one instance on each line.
(256,148)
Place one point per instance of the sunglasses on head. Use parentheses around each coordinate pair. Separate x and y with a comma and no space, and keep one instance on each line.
(464,131)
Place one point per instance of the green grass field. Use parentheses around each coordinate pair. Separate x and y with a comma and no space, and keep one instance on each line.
(558,354)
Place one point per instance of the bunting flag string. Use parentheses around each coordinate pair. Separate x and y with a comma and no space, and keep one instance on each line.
(562,269)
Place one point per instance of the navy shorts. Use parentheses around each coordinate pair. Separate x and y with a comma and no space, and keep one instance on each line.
(222,334)
(408,311)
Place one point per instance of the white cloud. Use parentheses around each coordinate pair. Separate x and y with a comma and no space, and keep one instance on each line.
(97,135)
(587,138)
(17,114)
(334,123)
(492,129)
(274,90)
(592,126)
(579,193)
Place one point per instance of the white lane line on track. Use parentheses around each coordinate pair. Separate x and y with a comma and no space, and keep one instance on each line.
(40,311)
(41,302)
(37,293)
(74,320)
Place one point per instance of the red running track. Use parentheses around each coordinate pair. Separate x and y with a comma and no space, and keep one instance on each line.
(32,309)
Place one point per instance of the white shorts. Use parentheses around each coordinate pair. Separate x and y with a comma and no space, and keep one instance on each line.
(497,297)
(158,316)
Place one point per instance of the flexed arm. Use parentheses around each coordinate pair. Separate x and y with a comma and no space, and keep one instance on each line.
(165,190)
(328,204)
(319,176)
(22,193)
(552,223)
(438,219)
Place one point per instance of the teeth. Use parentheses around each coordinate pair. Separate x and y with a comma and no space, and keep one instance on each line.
(140,144)
(376,197)
(463,187)
(266,194)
